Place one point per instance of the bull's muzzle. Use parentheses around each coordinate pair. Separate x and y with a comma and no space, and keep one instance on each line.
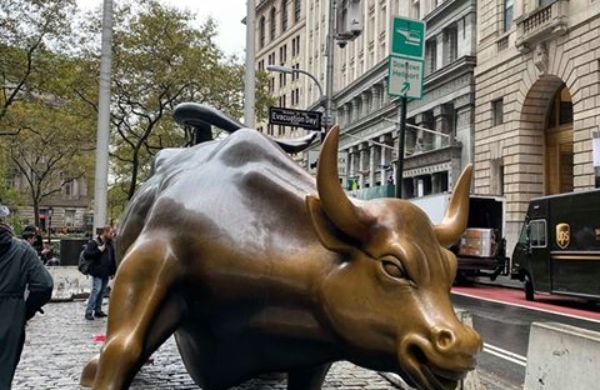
(439,361)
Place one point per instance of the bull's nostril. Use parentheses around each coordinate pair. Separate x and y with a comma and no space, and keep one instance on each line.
(444,339)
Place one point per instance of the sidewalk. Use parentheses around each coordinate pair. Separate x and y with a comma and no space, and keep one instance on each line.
(60,342)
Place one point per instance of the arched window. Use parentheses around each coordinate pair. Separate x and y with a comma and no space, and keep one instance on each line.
(297,9)
(284,15)
(272,24)
(261,32)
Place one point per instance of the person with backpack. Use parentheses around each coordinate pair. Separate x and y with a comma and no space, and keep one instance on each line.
(102,266)
(20,270)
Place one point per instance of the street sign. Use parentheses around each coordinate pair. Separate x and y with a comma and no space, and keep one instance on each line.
(408,38)
(405,77)
(309,120)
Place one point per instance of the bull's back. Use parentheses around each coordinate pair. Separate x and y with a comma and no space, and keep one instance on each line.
(242,192)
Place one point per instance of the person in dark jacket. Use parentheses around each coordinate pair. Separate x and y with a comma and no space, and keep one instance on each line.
(102,267)
(20,269)
(38,242)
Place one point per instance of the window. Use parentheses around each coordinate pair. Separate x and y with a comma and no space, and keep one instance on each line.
(451,44)
(261,32)
(544,3)
(272,24)
(283,54)
(431,55)
(537,233)
(272,85)
(284,16)
(297,10)
(282,80)
(70,218)
(68,188)
(296,46)
(415,9)
(498,112)
(508,14)
(261,65)
(561,109)
(295,97)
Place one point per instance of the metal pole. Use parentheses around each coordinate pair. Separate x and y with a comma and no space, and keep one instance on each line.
(329,70)
(103,132)
(249,79)
(401,132)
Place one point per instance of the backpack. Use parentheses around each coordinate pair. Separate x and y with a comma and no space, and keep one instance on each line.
(83,264)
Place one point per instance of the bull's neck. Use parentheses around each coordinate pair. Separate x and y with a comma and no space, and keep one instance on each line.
(292,301)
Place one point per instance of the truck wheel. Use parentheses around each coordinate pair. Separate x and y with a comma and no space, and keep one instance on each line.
(528,289)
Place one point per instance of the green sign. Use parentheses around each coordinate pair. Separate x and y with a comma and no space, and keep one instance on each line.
(405,77)
(408,38)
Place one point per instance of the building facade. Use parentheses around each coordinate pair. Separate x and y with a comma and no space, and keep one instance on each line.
(538,99)
(280,40)
(366,113)
(67,209)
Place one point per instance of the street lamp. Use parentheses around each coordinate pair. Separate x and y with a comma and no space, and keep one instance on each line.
(287,70)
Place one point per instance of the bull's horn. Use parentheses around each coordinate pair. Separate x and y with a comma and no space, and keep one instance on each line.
(340,210)
(455,220)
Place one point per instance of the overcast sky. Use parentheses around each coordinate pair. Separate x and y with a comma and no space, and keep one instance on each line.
(228,14)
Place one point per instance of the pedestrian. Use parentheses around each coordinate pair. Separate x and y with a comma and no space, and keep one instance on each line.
(48,255)
(20,269)
(38,242)
(102,267)
(28,236)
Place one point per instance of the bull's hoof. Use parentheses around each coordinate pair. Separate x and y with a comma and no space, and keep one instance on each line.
(88,374)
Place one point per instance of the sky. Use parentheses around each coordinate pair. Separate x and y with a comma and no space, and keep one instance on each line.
(227,13)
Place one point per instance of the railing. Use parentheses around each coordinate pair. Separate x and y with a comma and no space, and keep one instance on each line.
(542,24)
(384,191)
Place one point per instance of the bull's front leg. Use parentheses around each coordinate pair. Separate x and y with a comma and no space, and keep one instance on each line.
(143,313)
(308,379)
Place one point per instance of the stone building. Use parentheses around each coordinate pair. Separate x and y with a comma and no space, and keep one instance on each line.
(280,35)
(538,99)
(366,113)
(68,206)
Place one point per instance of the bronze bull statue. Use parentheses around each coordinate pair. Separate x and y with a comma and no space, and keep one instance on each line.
(231,247)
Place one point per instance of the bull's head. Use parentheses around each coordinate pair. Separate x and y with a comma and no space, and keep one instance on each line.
(389,297)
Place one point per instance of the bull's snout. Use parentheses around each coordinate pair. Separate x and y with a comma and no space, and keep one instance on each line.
(459,339)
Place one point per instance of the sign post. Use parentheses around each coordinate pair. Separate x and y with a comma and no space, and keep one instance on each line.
(405,75)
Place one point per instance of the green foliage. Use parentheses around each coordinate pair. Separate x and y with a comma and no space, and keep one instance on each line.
(30,30)
(162,57)
(51,148)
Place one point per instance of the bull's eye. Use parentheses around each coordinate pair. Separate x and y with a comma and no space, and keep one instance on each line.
(393,268)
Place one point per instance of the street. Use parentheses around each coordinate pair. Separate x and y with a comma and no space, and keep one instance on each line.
(503,317)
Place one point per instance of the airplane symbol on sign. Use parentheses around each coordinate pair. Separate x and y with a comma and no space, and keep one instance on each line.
(411,37)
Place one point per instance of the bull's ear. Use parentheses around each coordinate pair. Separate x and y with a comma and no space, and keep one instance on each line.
(329,235)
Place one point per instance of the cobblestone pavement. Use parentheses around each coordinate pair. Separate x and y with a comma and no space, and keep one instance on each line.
(61,341)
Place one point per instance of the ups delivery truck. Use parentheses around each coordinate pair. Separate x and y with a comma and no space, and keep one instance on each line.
(558,251)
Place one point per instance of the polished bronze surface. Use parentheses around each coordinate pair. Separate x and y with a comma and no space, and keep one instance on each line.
(232,247)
